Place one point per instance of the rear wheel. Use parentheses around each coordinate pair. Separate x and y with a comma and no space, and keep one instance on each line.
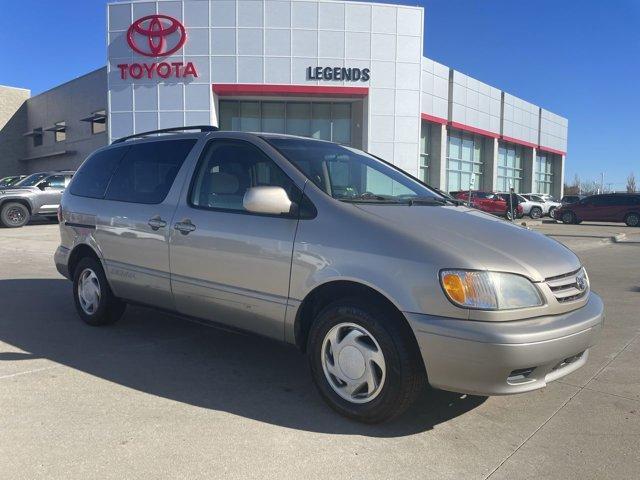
(568,217)
(632,220)
(95,303)
(364,362)
(14,215)
(535,212)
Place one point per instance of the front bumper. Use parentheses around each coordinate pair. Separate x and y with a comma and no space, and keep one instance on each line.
(501,358)
(61,259)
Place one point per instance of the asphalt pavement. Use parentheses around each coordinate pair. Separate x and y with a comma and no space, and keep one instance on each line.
(156,396)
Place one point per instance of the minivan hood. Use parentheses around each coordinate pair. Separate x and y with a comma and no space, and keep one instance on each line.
(480,239)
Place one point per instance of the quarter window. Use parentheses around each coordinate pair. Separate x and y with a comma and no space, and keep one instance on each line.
(228,169)
(147,171)
(93,176)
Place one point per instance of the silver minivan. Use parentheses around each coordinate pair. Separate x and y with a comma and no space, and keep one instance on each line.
(383,282)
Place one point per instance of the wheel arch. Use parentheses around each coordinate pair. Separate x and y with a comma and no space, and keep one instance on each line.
(79,252)
(22,201)
(333,290)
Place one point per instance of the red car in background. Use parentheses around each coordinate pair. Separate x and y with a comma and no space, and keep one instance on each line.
(487,202)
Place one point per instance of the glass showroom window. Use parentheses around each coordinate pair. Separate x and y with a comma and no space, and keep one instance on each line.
(544,173)
(509,167)
(425,149)
(322,120)
(464,161)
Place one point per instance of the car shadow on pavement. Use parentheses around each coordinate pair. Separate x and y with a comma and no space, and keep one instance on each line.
(173,358)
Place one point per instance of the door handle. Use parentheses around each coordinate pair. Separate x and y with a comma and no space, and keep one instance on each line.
(156,223)
(185,227)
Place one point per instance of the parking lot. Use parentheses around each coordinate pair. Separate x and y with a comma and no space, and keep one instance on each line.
(155,396)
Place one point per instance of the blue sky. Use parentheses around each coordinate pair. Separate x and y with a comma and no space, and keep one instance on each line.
(578,58)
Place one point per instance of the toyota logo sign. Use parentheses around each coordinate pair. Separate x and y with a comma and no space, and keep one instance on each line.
(156,36)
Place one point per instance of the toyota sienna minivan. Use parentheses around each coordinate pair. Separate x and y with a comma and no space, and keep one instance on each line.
(384,283)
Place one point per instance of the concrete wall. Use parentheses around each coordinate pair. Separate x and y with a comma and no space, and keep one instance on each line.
(553,130)
(70,103)
(273,42)
(474,103)
(520,119)
(13,123)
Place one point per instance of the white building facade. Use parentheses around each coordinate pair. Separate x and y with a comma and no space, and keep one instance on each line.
(351,72)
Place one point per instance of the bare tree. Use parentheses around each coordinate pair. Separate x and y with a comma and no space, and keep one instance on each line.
(631,183)
(574,188)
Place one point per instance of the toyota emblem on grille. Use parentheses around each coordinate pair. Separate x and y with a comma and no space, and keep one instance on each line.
(156,35)
(581,283)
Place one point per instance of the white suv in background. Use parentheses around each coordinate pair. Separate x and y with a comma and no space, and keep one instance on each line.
(549,204)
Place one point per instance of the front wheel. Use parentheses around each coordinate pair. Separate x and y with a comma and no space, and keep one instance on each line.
(568,217)
(14,215)
(632,220)
(552,212)
(364,361)
(535,212)
(95,303)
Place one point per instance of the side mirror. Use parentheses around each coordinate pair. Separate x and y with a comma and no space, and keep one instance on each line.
(43,185)
(267,200)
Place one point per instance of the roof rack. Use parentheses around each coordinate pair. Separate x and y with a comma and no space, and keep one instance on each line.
(202,128)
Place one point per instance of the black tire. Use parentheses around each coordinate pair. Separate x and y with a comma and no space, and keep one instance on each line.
(632,220)
(535,212)
(110,309)
(405,375)
(568,217)
(14,215)
(552,210)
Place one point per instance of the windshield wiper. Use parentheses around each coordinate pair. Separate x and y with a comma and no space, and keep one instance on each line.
(369,197)
(425,201)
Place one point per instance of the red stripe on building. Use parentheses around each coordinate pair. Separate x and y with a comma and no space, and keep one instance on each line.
(479,131)
(519,142)
(551,150)
(239,89)
(433,118)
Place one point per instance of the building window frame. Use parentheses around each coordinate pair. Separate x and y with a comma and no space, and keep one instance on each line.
(424,165)
(510,167)
(60,131)
(544,172)
(99,122)
(38,137)
(472,167)
(259,116)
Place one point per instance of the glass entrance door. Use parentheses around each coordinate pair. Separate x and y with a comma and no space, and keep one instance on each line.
(322,120)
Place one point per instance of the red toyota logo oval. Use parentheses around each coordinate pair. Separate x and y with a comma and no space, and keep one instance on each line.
(156,36)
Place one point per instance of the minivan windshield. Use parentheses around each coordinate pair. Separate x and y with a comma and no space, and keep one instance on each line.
(31,180)
(350,175)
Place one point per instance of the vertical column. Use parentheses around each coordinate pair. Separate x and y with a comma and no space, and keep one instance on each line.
(490,160)
(528,166)
(558,176)
(438,156)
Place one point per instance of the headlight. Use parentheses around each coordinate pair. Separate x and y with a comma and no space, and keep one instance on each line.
(489,290)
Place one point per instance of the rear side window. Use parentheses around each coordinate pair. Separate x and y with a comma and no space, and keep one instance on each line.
(148,170)
(93,177)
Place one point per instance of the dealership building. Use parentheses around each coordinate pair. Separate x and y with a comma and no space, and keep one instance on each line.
(351,72)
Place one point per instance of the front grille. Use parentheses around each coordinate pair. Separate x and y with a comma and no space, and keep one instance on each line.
(570,286)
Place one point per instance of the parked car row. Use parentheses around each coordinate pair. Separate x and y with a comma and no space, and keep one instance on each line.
(498,203)
(36,194)
(610,207)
